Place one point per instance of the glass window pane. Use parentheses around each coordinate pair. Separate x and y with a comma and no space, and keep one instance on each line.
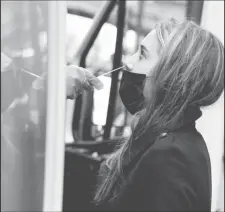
(23,97)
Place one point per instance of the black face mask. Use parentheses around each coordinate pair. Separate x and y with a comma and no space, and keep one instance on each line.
(131,91)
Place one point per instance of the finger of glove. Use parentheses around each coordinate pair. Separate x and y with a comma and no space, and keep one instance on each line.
(87,86)
(74,88)
(93,80)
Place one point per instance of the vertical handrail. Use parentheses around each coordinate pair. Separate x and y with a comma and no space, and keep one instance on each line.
(82,53)
(116,63)
(56,102)
(194,11)
(98,22)
(141,6)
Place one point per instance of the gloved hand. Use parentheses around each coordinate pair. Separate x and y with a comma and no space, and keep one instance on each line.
(79,79)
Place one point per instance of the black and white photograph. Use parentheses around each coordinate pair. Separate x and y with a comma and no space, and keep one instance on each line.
(112,105)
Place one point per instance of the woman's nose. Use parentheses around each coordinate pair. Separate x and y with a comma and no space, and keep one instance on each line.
(129,61)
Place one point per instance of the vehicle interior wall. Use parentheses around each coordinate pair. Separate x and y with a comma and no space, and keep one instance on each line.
(211,125)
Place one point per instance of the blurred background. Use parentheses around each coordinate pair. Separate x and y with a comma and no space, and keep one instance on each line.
(96,34)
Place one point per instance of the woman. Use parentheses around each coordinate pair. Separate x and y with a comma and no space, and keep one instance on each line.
(165,165)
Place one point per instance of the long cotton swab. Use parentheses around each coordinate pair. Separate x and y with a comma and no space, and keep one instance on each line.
(112,71)
(97,76)
(34,75)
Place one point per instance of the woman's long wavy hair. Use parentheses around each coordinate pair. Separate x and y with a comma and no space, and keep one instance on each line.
(190,72)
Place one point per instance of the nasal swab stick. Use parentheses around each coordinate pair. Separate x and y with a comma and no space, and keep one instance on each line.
(97,76)
(30,73)
(112,71)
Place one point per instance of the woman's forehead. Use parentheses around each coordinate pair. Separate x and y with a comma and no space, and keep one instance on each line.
(151,41)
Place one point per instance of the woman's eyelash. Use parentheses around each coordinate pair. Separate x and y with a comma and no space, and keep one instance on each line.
(142,54)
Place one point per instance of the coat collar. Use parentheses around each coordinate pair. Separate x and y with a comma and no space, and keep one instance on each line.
(139,146)
(186,121)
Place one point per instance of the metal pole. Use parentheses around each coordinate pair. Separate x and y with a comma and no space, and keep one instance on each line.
(56,105)
(116,63)
(194,11)
(139,21)
(81,55)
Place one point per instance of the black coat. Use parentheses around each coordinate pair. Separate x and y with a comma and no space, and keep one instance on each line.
(172,174)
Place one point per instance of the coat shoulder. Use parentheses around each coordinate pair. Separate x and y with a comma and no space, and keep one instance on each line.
(186,148)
